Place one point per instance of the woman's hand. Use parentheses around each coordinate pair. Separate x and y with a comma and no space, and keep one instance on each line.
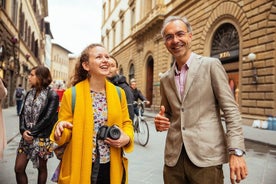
(27,136)
(121,142)
(60,128)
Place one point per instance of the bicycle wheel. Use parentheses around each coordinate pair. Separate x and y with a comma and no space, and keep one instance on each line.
(143,133)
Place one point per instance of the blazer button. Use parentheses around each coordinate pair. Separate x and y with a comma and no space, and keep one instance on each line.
(182,109)
(183,128)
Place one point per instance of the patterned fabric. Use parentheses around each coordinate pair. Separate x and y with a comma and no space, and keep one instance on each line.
(100,118)
(33,106)
(40,147)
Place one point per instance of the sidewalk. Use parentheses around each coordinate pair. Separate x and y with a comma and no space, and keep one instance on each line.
(11,121)
(252,134)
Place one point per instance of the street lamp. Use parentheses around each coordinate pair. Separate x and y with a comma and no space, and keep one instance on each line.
(252,58)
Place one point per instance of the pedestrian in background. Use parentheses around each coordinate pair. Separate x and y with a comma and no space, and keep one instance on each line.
(137,94)
(88,159)
(120,80)
(36,119)
(3,140)
(193,92)
(18,97)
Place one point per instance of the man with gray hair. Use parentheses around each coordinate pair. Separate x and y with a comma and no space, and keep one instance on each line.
(193,93)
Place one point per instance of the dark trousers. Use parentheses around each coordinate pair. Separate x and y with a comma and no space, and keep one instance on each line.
(18,106)
(103,174)
(185,172)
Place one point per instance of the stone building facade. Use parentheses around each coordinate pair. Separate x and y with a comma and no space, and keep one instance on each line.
(22,35)
(228,30)
(59,65)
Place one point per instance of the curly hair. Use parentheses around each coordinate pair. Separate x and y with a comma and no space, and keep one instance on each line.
(43,75)
(80,73)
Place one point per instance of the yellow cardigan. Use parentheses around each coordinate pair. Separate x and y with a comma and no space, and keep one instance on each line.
(77,159)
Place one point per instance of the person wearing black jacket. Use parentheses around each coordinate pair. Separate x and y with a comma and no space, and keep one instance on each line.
(137,94)
(36,119)
(120,80)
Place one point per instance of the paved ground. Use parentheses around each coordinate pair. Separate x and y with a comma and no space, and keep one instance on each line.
(146,163)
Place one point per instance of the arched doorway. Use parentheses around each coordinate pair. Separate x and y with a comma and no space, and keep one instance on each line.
(149,79)
(131,72)
(225,46)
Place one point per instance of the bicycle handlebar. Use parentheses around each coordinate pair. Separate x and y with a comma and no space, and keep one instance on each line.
(139,103)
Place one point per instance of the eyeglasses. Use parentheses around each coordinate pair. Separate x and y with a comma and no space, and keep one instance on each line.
(179,34)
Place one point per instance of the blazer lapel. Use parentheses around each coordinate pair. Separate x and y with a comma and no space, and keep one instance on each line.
(192,72)
(171,77)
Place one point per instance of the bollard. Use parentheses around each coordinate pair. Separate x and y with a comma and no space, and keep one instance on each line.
(274,123)
(269,123)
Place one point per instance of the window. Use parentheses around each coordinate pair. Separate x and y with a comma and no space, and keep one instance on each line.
(131,72)
(133,16)
(104,11)
(3,3)
(21,22)
(122,29)
(14,12)
(225,43)
(114,34)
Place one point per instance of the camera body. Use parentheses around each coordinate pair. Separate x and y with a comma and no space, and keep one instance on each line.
(105,131)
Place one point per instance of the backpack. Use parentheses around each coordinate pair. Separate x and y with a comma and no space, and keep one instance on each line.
(19,93)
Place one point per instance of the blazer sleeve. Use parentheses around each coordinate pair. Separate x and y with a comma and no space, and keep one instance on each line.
(228,105)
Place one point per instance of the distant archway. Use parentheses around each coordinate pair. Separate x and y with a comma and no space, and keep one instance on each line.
(149,79)
(225,46)
(131,72)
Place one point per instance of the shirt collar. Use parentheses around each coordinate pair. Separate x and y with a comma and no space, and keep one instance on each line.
(188,63)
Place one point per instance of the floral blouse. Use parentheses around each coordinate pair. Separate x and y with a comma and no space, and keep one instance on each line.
(100,118)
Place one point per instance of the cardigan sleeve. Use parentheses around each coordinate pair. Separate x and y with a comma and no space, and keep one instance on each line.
(65,114)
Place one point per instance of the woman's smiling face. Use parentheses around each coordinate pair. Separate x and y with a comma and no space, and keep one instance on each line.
(98,62)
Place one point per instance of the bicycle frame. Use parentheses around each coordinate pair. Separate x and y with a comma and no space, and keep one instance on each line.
(140,125)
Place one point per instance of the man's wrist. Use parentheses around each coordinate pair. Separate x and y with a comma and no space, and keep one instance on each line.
(237,152)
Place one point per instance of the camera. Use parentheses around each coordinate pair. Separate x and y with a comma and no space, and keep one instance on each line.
(112,132)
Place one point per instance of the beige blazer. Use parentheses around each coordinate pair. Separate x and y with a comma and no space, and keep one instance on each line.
(195,118)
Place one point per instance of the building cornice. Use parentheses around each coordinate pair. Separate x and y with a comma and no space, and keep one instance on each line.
(145,25)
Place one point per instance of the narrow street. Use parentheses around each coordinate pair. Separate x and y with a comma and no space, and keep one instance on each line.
(146,163)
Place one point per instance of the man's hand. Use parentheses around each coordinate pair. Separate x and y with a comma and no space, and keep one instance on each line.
(161,122)
(238,169)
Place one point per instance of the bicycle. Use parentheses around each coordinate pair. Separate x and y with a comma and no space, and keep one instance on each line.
(140,125)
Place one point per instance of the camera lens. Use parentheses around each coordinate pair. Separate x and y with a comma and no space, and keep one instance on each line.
(114,133)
